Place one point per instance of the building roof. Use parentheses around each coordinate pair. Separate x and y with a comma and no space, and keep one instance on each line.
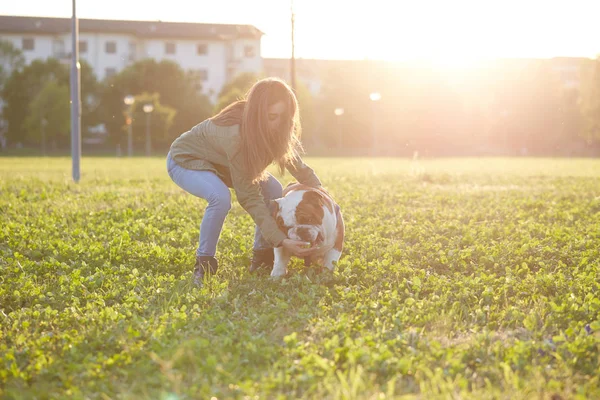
(145,29)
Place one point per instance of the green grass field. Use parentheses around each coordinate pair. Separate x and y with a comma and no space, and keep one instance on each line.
(461,278)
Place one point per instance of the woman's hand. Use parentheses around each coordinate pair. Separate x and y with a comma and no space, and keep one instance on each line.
(298,248)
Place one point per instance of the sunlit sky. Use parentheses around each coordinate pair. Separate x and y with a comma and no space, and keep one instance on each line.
(452,30)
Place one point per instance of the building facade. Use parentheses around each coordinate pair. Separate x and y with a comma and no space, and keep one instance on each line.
(216,52)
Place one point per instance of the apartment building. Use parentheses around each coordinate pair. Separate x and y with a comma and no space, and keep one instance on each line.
(216,52)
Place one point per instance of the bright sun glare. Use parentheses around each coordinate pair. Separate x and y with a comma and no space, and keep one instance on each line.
(459,33)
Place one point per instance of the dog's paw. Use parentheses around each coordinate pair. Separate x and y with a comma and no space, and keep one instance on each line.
(278,273)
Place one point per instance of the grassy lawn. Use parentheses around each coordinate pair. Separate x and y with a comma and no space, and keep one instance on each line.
(461,278)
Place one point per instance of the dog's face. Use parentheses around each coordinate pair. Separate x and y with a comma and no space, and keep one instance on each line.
(310,215)
(300,215)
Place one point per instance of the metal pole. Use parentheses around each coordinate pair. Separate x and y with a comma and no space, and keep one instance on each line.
(375,98)
(293,59)
(339,128)
(129,136)
(148,144)
(374,127)
(75,98)
(43,123)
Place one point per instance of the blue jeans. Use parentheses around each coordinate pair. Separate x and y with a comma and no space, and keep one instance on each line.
(208,186)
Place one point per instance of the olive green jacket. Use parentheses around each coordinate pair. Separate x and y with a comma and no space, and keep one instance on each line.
(208,147)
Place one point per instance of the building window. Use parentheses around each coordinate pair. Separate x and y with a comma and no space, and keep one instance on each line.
(202,49)
(58,48)
(203,74)
(108,72)
(197,77)
(249,51)
(83,46)
(110,47)
(132,51)
(28,44)
(199,74)
(170,48)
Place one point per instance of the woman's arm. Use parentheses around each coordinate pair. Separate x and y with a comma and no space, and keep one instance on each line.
(250,197)
(302,172)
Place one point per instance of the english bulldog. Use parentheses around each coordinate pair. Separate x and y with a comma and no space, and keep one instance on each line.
(308,214)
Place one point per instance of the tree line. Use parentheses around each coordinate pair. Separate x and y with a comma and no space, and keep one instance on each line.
(505,107)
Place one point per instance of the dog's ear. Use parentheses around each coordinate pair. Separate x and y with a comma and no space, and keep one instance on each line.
(314,197)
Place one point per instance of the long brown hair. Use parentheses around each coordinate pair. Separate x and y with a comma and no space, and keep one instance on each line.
(259,145)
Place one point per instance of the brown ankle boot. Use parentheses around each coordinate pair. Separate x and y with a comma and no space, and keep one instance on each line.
(205,266)
(262,260)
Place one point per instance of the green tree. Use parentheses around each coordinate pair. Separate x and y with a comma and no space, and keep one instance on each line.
(590,102)
(308,117)
(235,89)
(161,119)
(234,94)
(176,89)
(354,126)
(572,122)
(24,85)
(240,84)
(47,119)
(91,91)
(528,102)
(11,59)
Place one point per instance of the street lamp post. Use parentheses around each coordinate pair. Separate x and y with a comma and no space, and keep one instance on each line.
(338,113)
(2,135)
(375,97)
(129,100)
(293,58)
(44,123)
(75,81)
(148,108)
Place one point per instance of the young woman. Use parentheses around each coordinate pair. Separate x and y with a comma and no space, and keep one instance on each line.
(233,150)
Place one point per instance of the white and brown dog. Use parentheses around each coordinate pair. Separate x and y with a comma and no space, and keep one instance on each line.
(308,214)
